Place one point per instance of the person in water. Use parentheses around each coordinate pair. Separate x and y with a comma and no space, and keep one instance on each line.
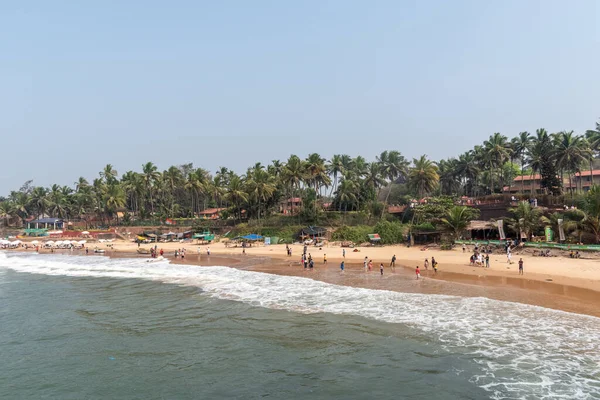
(381,268)
(393,263)
(342,266)
(418,272)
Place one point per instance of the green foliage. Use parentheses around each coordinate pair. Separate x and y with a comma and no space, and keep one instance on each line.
(355,234)
(424,227)
(434,209)
(456,220)
(390,232)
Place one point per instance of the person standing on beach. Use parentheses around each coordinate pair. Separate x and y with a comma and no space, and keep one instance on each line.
(464,248)
(208,251)
(418,272)
(487,260)
(521,266)
(342,266)
(393,263)
(365,262)
(508,257)
(343,253)
(381,268)
(426,263)
(370,265)
(324,259)
(434,265)
(311,264)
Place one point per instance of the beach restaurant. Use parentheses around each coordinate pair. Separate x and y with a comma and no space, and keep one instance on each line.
(46,223)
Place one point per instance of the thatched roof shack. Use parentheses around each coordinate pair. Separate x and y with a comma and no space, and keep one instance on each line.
(482,229)
(480,225)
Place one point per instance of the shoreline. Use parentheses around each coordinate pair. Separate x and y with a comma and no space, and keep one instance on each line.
(562,293)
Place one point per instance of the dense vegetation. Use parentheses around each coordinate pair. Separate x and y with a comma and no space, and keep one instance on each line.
(349,184)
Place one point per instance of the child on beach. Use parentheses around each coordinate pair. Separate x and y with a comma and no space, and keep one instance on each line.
(370,265)
(434,265)
(325,259)
(418,272)
(344,253)
(426,264)
(393,263)
(208,251)
(487,261)
(381,269)
(365,262)
(521,266)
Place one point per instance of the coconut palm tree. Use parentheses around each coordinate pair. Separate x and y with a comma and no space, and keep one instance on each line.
(293,174)
(335,167)
(520,146)
(109,174)
(497,149)
(393,166)
(468,170)
(236,194)
(449,180)
(525,219)
(7,212)
(456,220)
(114,199)
(150,176)
(346,194)
(39,200)
(423,176)
(593,138)
(569,151)
(261,187)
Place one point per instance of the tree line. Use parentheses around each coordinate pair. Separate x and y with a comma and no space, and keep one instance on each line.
(347,183)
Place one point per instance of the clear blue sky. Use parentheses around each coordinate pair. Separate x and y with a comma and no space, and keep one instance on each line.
(230,83)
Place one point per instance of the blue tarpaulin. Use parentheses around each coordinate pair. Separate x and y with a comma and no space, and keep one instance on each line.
(252,236)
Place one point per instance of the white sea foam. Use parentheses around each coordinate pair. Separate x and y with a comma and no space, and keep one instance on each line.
(524,351)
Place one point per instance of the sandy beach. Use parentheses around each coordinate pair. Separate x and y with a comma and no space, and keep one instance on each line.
(554,282)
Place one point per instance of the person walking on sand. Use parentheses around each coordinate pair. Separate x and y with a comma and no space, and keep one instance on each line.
(324,259)
(521,266)
(343,253)
(426,263)
(508,257)
(418,272)
(393,263)
(208,251)
(342,266)
(434,265)
(381,268)
(487,260)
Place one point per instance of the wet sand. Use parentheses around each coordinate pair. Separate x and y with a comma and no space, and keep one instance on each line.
(559,283)
(403,279)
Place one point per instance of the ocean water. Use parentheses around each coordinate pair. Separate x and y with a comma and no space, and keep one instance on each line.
(95,328)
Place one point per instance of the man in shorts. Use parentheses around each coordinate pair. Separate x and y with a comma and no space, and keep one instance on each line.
(521,266)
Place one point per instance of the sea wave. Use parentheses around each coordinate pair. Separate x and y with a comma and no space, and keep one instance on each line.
(523,351)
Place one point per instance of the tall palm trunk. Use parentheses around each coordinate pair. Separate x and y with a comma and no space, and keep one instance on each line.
(591,172)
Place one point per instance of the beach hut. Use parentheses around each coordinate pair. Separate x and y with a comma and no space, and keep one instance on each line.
(483,230)
(312,232)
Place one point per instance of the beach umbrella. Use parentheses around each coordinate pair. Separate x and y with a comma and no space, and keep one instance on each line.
(85,233)
(50,242)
